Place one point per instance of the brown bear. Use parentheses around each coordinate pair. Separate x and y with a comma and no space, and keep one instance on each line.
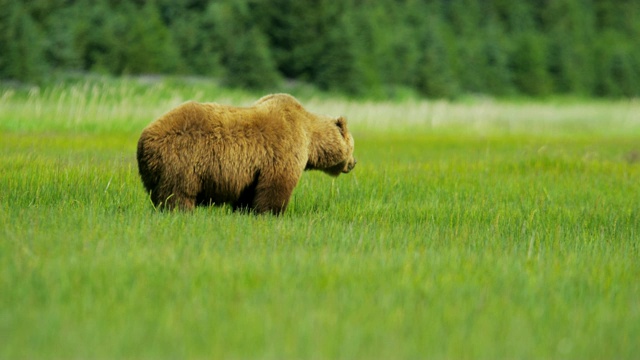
(249,157)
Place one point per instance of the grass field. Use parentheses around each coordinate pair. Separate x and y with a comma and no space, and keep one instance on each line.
(474,229)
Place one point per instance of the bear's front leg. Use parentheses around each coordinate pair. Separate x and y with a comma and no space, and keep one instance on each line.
(273,195)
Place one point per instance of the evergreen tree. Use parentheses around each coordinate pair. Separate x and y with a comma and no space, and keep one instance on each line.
(435,76)
(21,44)
(193,33)
(244,49)
(148,46)
(99,38)
(61,51)
(571,32)
(296,31)
(400,55)
(352,50)
(617,53)
(125,39)
(340,67)
(529,64)
(618,71)
(495,71)
(439,48)
(465,19)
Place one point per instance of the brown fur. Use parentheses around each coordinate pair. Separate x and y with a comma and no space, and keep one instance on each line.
(252,158)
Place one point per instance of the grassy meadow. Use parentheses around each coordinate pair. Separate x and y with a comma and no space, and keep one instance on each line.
(469,229)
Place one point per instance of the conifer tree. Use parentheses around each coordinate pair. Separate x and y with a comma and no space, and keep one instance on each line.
(529,64)
(296,33)
(438,48)
(435,75)
(618,73)
(244,50)
(21,44)
(196,42)
(347,62)
(148,45)
(571,32)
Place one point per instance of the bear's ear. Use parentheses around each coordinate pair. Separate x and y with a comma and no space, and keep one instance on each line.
(341,122)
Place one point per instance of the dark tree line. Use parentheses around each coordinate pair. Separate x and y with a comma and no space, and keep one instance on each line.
(438,48)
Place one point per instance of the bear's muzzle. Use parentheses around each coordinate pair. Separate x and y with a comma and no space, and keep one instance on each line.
(350,166)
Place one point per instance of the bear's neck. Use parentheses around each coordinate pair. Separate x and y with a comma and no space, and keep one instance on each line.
(324,153)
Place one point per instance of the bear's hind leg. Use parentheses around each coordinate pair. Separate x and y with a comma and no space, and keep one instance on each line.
(182,202)
(172,200)
(170,195)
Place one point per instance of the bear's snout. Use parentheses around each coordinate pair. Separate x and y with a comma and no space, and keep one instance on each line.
(350,166)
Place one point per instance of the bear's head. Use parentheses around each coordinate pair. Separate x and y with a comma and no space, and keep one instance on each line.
(333,149)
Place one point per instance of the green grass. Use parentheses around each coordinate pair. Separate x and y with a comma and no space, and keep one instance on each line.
(467,230)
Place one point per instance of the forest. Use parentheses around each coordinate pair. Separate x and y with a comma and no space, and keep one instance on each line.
(360,48)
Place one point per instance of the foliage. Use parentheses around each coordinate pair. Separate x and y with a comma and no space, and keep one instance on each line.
(437,48)
(243,48)
(21,43)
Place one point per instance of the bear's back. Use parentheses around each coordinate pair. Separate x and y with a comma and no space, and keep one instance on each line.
(193,117)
